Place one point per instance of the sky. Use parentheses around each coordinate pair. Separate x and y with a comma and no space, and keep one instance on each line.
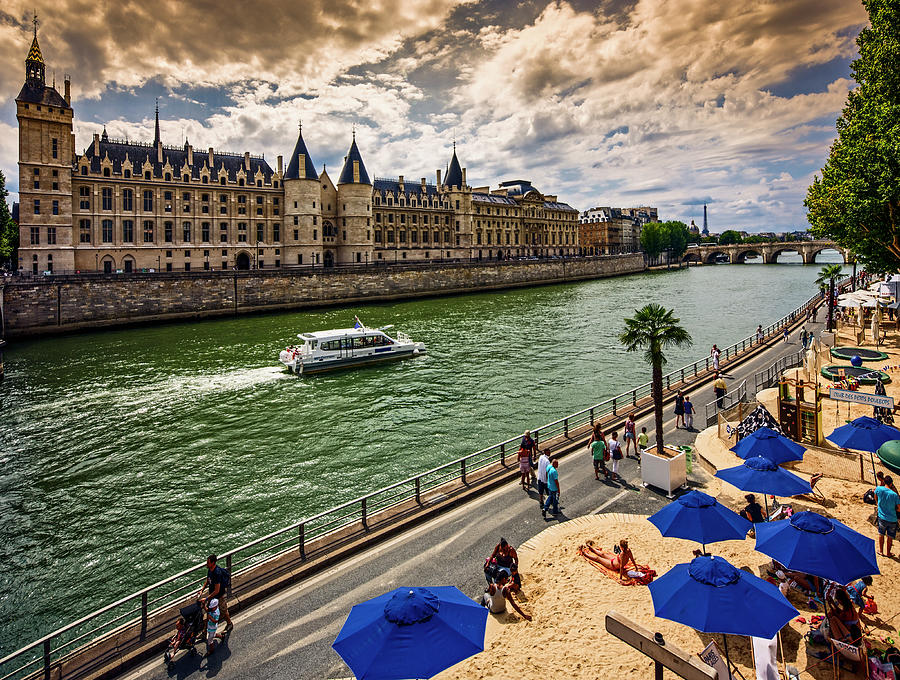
(668,103)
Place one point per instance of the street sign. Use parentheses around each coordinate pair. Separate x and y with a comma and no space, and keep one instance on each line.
(861,398)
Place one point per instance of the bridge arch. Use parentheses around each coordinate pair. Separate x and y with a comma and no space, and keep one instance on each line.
(713,254)
(740,256)
(810,256)
(772,256)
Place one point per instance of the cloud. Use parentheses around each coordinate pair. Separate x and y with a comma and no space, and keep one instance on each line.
(667,102)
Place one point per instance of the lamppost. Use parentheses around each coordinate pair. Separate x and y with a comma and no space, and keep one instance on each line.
(158,263)
(97,262)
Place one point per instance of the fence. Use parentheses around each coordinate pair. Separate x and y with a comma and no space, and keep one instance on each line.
(138,609)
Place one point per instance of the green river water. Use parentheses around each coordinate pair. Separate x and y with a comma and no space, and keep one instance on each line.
(128,455)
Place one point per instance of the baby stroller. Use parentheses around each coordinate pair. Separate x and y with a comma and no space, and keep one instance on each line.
(188,631)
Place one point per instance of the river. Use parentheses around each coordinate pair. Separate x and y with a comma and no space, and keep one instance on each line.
(130,454)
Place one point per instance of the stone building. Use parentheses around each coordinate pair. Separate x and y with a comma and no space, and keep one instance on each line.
(125,206)
(606,231)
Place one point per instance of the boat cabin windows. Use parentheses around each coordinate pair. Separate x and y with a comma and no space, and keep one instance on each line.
(361,342)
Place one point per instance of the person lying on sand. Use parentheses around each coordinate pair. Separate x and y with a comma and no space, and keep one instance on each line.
(612,561)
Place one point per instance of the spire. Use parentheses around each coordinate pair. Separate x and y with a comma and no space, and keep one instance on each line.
(34,62)
(294,168)
(454,176)
(354,171)
(156,139)
(104,137)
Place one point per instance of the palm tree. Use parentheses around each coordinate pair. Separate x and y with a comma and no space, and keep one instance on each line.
(653,329)
(829,274)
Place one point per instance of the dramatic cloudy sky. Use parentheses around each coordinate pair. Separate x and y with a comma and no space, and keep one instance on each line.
(671,103)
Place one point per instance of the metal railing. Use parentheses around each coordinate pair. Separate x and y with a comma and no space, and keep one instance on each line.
(769,377)
(137,609)
(725,402)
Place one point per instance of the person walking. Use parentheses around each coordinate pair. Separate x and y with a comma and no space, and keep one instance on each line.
(530,446)
(715,353)
(679,409)
(760,336)
(887,500)
(688,413)
(552,488)
(630,435)
(543,463)
(218,583)
(803,337)
(524,456)
(785,334)
(642,440)
(597,446)
(615,452)
(720,388)
(212,623)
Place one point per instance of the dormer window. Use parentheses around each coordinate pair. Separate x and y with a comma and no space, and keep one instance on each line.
(127,174)
(186,178)
(168,177)
(106,172)
(146,174)
(222,180)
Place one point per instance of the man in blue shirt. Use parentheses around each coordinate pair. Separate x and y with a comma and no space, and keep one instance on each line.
(888,500)
(552,488)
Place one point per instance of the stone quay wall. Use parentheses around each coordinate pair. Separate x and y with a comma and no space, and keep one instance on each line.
(40,306)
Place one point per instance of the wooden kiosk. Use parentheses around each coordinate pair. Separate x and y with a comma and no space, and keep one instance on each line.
(800,411)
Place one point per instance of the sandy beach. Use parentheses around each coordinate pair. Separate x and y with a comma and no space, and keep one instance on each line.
(569,598)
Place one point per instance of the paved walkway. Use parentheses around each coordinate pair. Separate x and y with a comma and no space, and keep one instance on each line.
(290,634)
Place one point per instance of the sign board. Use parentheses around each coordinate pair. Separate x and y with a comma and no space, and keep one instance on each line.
(712,656)
(861,398)
(666,654)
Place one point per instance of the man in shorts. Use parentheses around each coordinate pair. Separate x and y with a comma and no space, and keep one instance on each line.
(543,463)
(217,582)
(598,453)
(887,500)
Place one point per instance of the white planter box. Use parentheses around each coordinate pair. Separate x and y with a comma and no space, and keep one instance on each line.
(664,473)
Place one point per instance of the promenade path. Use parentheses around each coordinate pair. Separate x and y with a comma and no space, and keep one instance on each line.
(289,635)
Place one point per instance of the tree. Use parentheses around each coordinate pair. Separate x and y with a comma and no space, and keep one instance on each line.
(828,275)
(9,230)
(729,237)
(676,237)
(652,239)
(857,200)
(653,329)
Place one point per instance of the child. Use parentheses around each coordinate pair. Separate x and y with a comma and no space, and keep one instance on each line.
(642,440)
(688,413)
(212,622)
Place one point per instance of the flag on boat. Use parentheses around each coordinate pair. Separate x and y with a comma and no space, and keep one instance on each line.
(358,323)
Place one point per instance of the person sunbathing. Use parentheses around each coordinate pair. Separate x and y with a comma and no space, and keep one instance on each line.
(612,561)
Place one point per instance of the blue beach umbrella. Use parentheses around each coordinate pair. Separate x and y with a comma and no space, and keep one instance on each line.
(710,595)
(767,443)
(820,546)
(863,434)
(411,633)
(763,476)
(699,517)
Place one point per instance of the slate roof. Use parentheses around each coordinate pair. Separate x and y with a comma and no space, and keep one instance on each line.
(517,187)
(38,93)
(556,205)
(492,198)
(137,153)
(454,172)
(347,173)
(383,186)
(293,168)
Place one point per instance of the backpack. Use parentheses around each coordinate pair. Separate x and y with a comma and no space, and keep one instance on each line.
(869,497)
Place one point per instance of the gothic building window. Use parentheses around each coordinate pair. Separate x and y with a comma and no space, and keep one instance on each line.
(148,201)
(148,231)
(127,200)
(186,231)
(204,232)
(107,199)
(128,231)
(35,236)
(167,232)
(106,234)
(84,231)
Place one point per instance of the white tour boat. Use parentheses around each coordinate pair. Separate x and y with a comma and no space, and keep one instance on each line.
(344,347)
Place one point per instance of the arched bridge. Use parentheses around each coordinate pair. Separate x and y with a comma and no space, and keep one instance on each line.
(710,253)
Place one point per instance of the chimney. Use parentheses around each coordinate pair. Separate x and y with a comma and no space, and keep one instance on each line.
(96,144)
(423,182)
(68,90)
(247,160)
(400,182)
(439,177)
(301,161)
(190,155)
(212,163)
(280,165)
(464,178)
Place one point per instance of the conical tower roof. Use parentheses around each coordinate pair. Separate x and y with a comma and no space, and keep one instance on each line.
(454,172)
(293,168)
(34,54)
(347,173)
